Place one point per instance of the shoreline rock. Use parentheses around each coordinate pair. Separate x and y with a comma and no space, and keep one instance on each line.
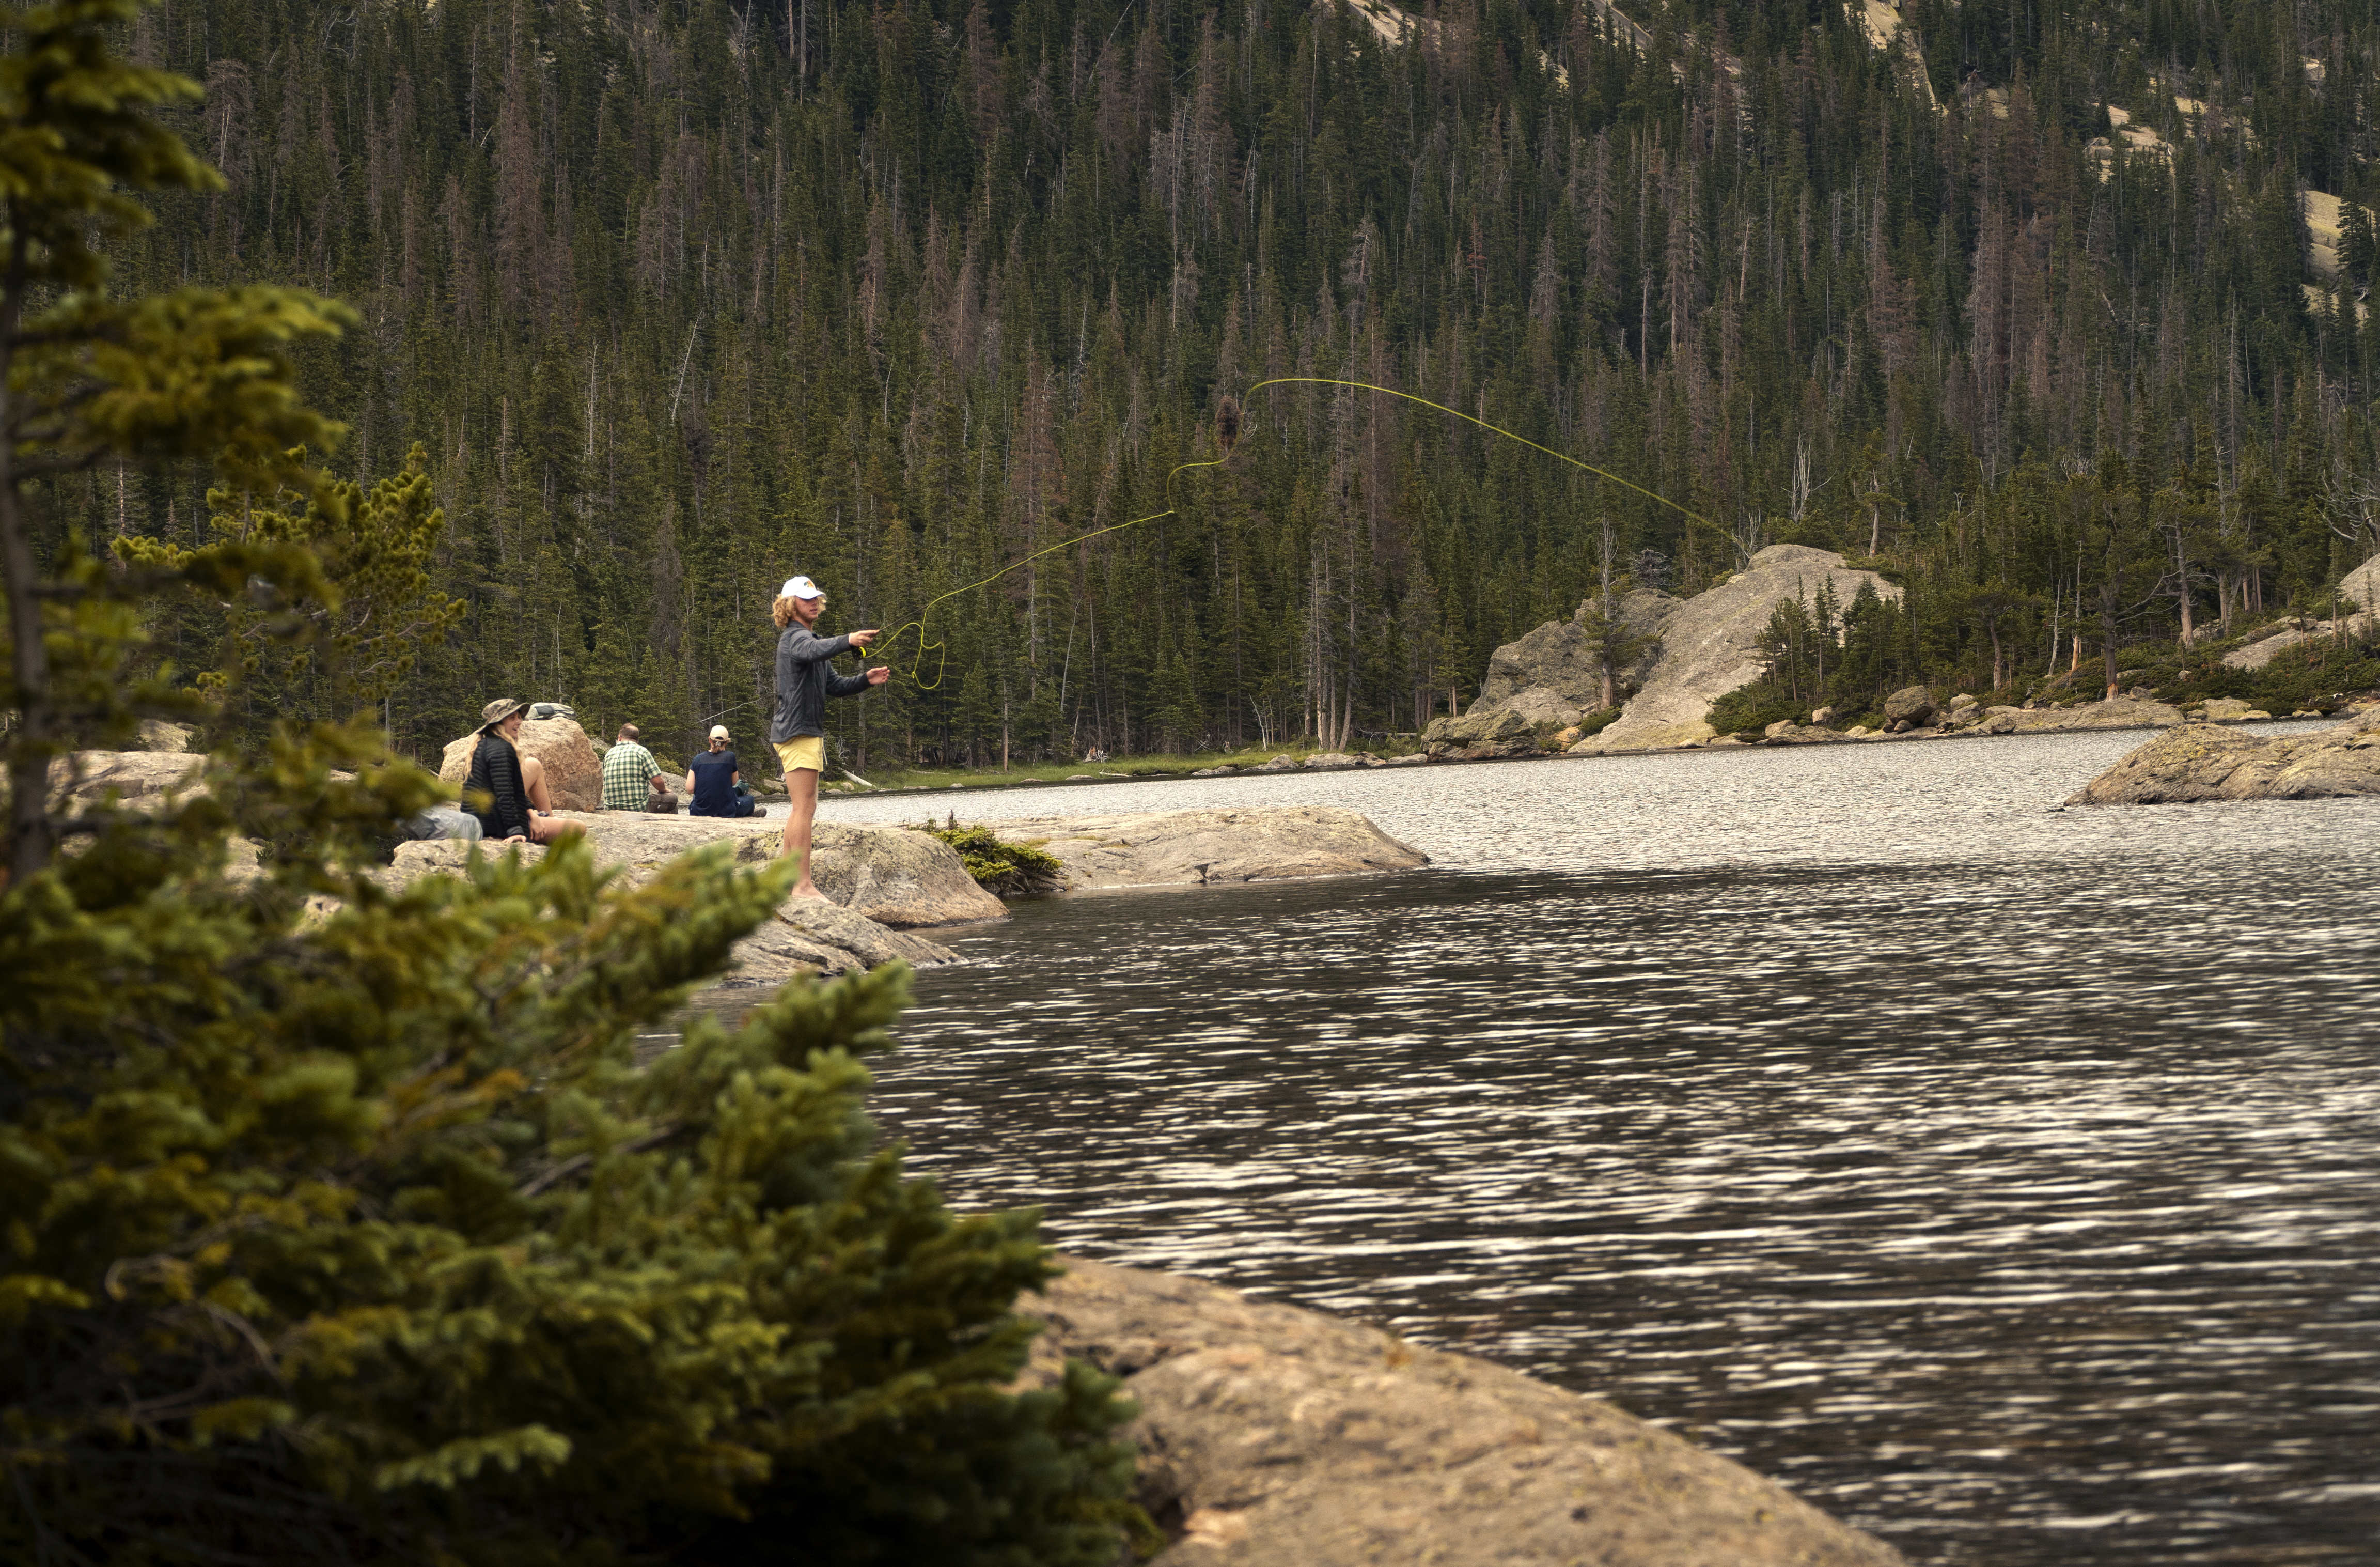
(807,936)
(2205,761)
(1271,1436)
(1483,733)
(1202,848)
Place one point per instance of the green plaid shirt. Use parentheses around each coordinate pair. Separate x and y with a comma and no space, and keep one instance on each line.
(629,771)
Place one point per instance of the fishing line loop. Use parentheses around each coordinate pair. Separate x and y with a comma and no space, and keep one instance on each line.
(1227,432)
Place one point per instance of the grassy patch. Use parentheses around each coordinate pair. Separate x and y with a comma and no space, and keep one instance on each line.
(1003,869)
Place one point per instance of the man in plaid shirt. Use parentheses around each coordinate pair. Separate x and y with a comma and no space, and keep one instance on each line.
(632,779)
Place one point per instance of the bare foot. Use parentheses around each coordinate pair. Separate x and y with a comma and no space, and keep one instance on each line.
(813,895)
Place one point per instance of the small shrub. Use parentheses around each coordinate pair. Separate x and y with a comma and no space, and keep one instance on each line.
(1005,870)
(1751,708)
(1597,721)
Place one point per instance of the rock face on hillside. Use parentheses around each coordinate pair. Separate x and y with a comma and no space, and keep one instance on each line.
(1275,1436)
(1555,658)
(1201,847)
(1536,704)
(2203,761)
(1710,644)
(574,770)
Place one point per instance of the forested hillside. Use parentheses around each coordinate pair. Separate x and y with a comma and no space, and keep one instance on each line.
(680,299)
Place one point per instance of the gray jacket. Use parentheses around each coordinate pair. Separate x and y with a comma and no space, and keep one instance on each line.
(805,680)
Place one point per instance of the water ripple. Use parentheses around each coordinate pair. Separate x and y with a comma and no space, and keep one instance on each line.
(2001,1179)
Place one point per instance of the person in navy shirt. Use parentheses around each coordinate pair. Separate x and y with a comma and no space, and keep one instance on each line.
(713,780)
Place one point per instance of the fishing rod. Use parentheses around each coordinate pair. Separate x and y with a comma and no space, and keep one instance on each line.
(1227,433)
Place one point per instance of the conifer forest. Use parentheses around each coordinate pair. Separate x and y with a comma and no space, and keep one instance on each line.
(2055,313)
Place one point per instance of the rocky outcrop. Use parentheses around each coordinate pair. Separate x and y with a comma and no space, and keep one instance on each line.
(1710,644)
(807,936)
(2281,637)
(2124,712)
(894,877)
(574,770)
(1785,732)
(1537,705)
(2203,761)
(156,735)
(145,779)
(1480,735)
(1275,1436)
(1556,658)
(1199,847)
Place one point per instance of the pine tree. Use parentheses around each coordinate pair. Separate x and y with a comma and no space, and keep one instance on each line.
(342,1223)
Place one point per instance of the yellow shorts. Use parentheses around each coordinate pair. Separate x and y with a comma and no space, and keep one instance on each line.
(804,752)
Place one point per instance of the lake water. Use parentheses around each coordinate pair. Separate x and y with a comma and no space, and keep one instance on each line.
(2002,1180)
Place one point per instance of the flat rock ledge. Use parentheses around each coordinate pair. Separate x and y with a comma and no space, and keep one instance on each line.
(1271,1436)
(1198,847)
(807,936)
(2205,761)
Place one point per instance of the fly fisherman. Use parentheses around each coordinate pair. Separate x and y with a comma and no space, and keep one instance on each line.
(805,680)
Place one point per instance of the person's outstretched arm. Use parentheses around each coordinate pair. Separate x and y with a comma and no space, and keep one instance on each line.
(802,645)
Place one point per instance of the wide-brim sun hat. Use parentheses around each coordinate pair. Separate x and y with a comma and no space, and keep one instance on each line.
(495,712)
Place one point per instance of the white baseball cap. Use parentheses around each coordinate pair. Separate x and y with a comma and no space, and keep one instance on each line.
(719,731)
(800,588)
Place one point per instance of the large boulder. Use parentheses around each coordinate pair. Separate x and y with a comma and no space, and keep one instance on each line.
(1911,705)
(1557,658)
(1271,1436)
(2205,761)
(895,876)
(573,769)
(1710,644)
(1199,847)
(1481,734)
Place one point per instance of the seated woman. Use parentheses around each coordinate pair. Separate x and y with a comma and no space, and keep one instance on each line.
(714,782)
(518,807)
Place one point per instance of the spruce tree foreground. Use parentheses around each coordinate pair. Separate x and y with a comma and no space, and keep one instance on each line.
(338,1225)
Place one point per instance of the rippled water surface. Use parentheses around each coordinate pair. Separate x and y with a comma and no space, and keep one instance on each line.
(2001,1180)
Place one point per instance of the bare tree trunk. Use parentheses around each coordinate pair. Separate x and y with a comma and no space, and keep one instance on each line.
(2108,635)
(29,760)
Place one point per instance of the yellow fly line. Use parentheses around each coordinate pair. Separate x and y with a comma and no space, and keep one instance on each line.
(1228,432)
